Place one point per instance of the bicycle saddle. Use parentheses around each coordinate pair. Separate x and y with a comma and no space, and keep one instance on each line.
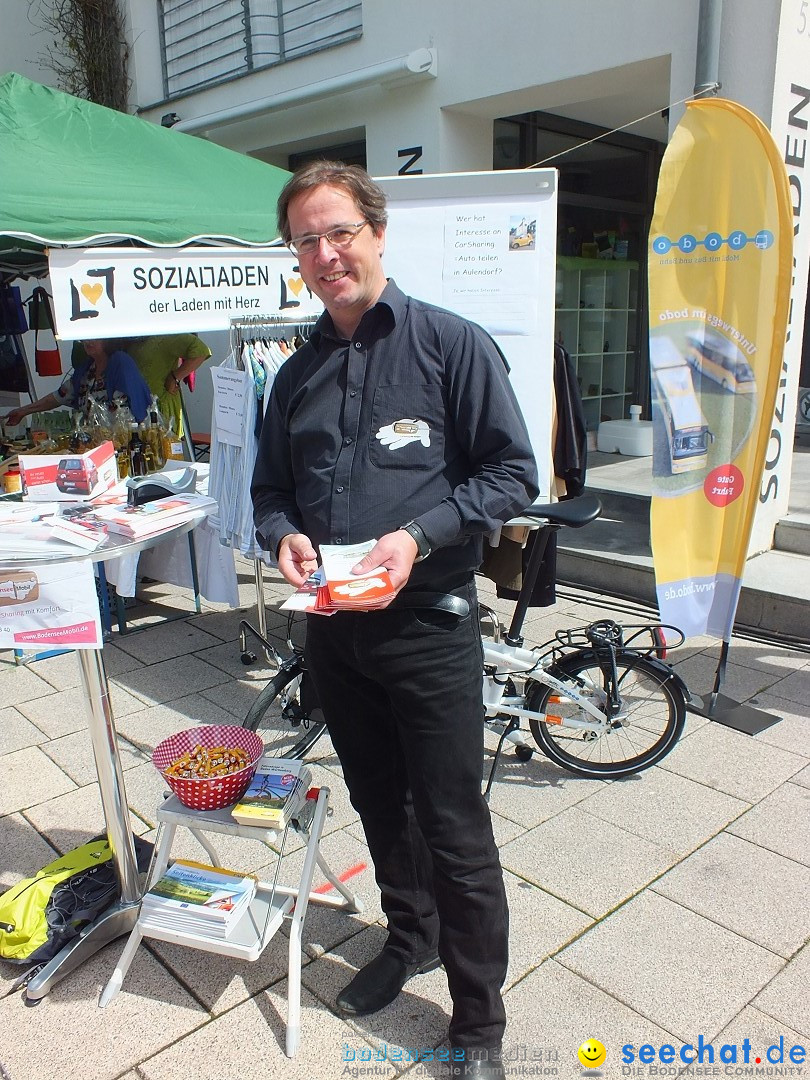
(573,512)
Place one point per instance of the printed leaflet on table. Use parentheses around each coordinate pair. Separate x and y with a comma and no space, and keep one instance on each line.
(81,532)
(152,517)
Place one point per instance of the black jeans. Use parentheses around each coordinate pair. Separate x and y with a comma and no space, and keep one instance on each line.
(401,693)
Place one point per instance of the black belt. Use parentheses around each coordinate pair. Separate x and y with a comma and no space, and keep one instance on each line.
(455,605)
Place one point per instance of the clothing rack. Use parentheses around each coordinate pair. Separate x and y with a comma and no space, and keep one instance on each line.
(242,329)
(266,324)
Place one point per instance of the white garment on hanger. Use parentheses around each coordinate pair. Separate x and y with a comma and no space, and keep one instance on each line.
(231,474)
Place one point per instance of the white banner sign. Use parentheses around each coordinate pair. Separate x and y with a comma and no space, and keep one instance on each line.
(483,245)
(123,292)
(49,605)
(790,117)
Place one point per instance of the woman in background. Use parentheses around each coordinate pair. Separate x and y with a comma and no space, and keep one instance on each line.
(109,375)
(165,361)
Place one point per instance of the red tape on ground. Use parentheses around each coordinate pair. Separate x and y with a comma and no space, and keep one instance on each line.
(353,871)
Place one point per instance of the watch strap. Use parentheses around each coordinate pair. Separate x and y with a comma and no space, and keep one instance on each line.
(417,534)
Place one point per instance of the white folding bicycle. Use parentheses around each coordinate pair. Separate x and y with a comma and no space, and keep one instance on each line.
(599,701)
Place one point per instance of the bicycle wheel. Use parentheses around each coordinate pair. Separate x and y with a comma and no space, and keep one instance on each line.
(649,725)
(278,718)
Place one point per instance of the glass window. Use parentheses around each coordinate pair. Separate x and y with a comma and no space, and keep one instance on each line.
(205,42)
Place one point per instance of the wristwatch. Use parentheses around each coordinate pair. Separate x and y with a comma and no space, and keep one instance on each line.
(423,547)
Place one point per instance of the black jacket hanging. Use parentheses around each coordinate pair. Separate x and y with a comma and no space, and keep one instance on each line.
(571,442)
(506,564)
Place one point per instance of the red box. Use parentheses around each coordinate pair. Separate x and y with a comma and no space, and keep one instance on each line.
(69,477)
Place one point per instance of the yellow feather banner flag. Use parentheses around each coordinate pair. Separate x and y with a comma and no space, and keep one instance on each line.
(720,265)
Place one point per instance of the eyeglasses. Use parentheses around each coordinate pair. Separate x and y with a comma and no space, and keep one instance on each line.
(339,237)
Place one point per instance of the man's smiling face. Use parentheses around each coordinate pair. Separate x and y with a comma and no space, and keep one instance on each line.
(349,280)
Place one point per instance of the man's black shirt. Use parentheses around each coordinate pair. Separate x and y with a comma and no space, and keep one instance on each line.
(413,419)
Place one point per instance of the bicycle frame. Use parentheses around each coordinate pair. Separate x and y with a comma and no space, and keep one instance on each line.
(514,660)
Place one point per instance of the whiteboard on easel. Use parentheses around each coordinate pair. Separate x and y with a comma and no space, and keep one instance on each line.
(484,245)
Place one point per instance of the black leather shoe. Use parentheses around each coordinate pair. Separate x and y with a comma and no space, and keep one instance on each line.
(379,983)
(490,1068)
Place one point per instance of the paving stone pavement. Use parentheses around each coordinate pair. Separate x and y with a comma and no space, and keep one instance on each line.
(665,909)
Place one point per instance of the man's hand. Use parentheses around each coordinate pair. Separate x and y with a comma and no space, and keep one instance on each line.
(171,383)
(297,558)
(396,551)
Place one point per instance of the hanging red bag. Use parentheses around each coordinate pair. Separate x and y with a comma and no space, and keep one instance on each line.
(46,356)
(47,360)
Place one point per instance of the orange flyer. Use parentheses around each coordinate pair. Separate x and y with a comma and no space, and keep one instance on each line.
(356,592)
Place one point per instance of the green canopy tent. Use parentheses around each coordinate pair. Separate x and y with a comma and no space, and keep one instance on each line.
(73,173)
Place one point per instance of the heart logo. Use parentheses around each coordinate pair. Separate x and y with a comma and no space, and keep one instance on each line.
(92,292)
(296,284)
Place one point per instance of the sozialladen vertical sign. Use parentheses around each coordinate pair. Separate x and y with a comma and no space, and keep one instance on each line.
(719,280)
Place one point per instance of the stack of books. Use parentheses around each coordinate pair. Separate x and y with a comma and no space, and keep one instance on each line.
(333,587)
(193,898)
(276,793)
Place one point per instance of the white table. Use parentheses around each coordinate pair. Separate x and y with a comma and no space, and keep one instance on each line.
(121,917)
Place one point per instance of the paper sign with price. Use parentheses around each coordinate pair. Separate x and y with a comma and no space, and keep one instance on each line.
(230,396)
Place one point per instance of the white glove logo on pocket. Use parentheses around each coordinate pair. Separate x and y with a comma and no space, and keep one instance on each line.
(403,432)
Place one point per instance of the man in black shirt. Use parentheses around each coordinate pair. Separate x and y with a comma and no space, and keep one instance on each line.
(397,421)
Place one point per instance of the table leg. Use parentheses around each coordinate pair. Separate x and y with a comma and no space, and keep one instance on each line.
(195,579)
(111,924)
(121,917)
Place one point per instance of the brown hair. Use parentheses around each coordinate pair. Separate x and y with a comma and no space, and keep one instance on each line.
(368,195)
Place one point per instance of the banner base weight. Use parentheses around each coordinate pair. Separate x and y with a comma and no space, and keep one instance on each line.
(725,710)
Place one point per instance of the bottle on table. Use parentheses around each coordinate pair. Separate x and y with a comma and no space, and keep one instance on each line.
(156,438)
(172,445)
(137,459)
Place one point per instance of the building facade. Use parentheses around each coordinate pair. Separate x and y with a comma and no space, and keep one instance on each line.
(450,86)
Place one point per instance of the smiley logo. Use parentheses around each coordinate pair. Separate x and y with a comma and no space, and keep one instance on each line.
(92,292)
(592,1054)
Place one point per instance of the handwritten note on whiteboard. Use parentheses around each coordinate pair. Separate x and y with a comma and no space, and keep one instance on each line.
(491,266)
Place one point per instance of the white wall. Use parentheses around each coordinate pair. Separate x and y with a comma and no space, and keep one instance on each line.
(22,44)
(493,60)
(605,61)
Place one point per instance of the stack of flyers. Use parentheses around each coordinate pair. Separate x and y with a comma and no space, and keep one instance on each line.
(333,587)
(354,592)
(79,531)
(306,596)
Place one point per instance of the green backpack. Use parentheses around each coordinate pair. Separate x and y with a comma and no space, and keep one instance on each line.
(41,914)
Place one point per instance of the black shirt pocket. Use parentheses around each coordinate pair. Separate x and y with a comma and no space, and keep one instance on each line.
(407,427)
